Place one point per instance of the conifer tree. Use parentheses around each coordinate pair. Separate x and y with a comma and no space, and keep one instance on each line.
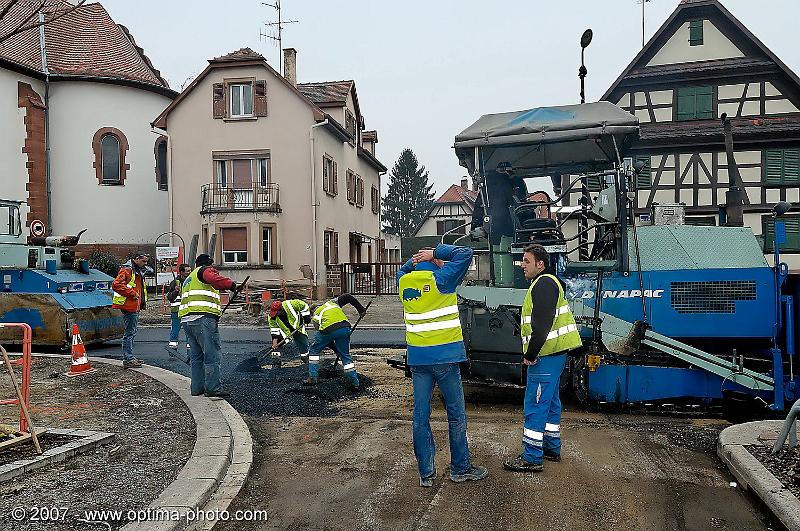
(409,198)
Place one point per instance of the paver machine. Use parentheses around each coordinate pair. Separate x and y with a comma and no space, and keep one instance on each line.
(44,285)
(665,311)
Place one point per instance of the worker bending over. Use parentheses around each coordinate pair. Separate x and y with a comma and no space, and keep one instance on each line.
(287,322)
(333,329)
(548,331)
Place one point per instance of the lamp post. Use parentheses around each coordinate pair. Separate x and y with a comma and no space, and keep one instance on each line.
(586,38)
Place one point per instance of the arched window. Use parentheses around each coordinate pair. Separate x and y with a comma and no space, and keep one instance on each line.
(162,175)
(110,147)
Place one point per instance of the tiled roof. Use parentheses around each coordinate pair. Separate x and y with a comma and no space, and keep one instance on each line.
(457,194)
(242,54)
(326,92)
(84,42)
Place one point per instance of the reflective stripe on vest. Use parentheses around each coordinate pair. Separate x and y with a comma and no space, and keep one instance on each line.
(328,315)
(199,297)
(120,299)
(563,334)
(431,317)
(294,310)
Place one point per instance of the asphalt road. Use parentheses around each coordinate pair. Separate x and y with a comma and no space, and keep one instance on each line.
(327,458)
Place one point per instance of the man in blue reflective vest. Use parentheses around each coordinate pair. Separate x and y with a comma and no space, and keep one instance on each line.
(427,284)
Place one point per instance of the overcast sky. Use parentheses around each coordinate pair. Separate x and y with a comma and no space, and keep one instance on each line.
(425,70)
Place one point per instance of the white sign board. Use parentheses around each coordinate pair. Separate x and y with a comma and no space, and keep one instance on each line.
(167,253)
(164,278)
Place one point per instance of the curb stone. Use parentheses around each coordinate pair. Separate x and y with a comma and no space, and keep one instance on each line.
(218,466)
(752,475)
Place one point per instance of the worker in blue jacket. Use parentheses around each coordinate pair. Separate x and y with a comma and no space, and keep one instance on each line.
(427,284)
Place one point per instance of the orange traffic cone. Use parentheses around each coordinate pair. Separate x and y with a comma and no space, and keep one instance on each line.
(80,362)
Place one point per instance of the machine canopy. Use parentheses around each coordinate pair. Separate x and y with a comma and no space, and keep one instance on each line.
(549,140)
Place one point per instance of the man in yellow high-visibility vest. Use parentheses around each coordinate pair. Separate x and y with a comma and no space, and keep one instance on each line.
(548,331)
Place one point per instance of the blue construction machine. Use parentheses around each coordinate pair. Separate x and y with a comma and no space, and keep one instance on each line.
(44,285)
(666,311)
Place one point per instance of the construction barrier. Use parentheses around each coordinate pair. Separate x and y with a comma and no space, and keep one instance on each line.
(25,362)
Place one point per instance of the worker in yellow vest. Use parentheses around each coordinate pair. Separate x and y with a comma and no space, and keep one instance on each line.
(333,330)
(287,322)
(427,286)
(130,296)
(548,331)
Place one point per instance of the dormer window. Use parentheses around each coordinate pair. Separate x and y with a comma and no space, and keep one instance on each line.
(241,98)
(695,33)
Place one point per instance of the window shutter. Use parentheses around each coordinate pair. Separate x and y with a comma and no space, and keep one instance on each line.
(593,183)
(645,177)
(335,182)
(440,227)
(695,32)
(335,254)
(234,239)
(704,102)
(260,98)
(686,103)
(218,103)
(791,168)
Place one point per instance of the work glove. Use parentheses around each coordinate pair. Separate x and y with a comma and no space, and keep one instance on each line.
(307,319)
(233,286)
(477,233)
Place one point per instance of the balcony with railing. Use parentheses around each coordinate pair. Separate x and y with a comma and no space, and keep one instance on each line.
(240,198)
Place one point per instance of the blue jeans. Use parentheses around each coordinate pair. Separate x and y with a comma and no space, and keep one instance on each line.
(424,378)
(175,326)
(339,341)
(205,354)
(131,320)
(542,431)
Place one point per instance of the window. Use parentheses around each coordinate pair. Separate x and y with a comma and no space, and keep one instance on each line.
(782,166)
(695,103)
(350,125)
(9,220)
(162,178)
(110,158)
(792,223)
(695,33)
(234,245)
(263,171)
(351,186)
(110,147)
(266,246)
(644,179)
(330,178)
(375,200)
(331,246)
(359,197)
(241,100)
(222,173)
(450,224)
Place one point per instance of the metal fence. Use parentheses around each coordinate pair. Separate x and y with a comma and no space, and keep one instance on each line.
(253,197)
(369,278)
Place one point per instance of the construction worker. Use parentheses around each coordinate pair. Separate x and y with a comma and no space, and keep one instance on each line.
(548,331)
(427,285)
(287,322)
(333,329)
(199,312)
(174,298)
(130,296)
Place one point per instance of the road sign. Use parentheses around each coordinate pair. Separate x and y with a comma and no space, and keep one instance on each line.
(38,228)
(167,261)
(167,253)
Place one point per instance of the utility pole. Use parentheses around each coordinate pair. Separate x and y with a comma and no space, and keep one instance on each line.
(643,2)
(276,27)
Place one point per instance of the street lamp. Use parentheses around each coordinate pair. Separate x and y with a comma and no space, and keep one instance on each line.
(586,38)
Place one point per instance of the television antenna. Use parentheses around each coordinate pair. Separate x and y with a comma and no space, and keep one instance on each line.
(643,2)
(275,31)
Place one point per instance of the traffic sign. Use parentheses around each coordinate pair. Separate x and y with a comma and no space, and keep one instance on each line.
(38,228)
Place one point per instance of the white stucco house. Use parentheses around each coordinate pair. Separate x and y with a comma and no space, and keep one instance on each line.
(76,99)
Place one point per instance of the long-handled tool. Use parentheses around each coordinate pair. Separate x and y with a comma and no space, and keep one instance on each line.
(236,293)
(361,316)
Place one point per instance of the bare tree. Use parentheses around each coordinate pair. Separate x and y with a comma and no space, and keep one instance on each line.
(51,11)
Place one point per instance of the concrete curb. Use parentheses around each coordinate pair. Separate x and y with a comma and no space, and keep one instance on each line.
(217,468)
(752,475)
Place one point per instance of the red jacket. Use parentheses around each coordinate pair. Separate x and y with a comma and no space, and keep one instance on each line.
(134,301)
(209,275)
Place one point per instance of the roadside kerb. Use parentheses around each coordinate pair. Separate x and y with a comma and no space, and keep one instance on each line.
(752,475)
(220,460)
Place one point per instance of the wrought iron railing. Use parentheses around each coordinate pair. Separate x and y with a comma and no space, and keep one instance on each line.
(235,197)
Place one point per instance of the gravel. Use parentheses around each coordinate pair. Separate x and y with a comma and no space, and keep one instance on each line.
(785,465)
(154,438)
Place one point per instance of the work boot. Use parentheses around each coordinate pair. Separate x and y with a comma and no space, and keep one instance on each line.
(218,394)
(132,364)
(310,381)
(427,482)
(475,473)
(518,464)
(173,344)
(550,456)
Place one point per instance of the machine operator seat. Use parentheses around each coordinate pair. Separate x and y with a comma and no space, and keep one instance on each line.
(529,227)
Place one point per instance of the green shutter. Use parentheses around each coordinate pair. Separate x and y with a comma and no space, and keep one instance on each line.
(593,184)
(686,103)
(792,233)
(782,166)
(695,32)
(704,103)
(645,177)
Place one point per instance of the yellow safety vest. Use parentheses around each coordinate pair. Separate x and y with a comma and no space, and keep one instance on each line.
(563,334)
(199,297)
(329,314)
(119,299)
(431,317)
(295,311)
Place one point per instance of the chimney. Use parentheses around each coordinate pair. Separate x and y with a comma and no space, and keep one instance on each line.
(290,65)
(464,182)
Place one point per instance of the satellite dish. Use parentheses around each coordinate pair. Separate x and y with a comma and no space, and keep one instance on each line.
(586,38)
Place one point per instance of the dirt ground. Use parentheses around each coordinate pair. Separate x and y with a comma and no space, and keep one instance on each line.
(154,438)
(355,469)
